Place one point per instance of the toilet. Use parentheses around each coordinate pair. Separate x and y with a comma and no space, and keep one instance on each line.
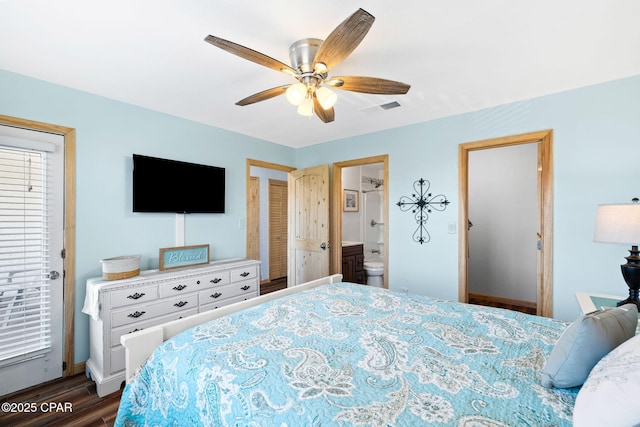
(374,271)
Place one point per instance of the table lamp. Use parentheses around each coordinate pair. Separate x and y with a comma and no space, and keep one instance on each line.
(620,223)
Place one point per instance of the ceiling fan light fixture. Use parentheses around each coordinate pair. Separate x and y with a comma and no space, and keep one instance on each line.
(296,93)
(306,107)
(311,60)
(321,67)
(326,97)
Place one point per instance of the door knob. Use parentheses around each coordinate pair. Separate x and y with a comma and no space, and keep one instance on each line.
(324,246)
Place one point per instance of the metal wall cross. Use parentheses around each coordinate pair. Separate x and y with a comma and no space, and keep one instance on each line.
(420,203)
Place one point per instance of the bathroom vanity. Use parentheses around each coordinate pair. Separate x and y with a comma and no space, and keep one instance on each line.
(353,262)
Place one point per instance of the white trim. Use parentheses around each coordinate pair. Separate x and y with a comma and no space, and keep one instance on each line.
(26,144)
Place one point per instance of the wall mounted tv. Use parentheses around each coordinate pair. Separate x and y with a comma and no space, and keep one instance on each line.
(162,185)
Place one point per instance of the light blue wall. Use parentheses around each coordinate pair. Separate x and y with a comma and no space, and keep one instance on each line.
(596,139)
(107,133)
(596,133)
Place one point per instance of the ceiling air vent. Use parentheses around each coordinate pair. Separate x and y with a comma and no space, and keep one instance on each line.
(390,105)
(376,108)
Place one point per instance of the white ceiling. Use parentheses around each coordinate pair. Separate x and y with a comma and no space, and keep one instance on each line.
(457,55)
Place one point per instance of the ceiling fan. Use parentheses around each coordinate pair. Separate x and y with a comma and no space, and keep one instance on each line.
(311,61)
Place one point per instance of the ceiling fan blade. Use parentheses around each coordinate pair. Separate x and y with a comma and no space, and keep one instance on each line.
(326,116)
(369,85)
(343,40)
(263,96)
(250,54)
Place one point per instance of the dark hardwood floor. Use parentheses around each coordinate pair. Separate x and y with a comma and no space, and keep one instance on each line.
(71,401)
(502,303)
(273,285)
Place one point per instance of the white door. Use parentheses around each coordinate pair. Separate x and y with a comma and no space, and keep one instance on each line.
(31,264)
(308,193)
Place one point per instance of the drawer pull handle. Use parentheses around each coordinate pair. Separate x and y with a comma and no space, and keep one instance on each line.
(216,295)
(136,314)
(245,288)
(179,287)
(245,274)
(135,330)
(216,280)
(136,295)
(181,303)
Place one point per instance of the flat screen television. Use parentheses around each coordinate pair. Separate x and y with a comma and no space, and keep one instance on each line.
(162,185)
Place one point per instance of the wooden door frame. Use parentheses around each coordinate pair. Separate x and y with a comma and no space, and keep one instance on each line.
(69,135)
(336,211)
(253,215)
(260,164)
(544,139)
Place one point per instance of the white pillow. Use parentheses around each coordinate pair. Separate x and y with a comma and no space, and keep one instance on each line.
(609,397)
(585,342)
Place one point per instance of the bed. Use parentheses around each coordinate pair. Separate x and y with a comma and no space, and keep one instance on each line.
(334,353)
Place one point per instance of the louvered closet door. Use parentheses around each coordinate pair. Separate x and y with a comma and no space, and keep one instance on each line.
(277,229)
(31,267)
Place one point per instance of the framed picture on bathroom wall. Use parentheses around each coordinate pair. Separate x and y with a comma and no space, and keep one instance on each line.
(350,201)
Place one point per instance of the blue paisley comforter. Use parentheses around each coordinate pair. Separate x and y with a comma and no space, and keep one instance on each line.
(353,355)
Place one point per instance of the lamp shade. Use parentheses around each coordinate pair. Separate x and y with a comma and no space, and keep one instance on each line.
(306,108)
(618,223)
(296,93)
(326,97)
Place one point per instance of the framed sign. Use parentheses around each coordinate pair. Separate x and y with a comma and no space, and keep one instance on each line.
(350,201)
(183,256)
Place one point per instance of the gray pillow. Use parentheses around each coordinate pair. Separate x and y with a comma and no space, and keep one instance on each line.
(585,342)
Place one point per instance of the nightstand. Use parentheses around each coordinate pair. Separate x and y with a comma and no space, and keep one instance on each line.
(590,302)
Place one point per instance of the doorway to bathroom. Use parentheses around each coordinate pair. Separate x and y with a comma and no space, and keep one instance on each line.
(360,216)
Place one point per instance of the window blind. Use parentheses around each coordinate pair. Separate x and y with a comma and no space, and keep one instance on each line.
(25,306)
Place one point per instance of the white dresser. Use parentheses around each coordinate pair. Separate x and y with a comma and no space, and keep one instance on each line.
(119,307)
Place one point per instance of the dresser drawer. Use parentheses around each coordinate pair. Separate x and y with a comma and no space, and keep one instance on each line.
(218,304)
(178,287)
(134,295)
(140,313)
(244,273)
(228,291)
(127,329)
(217,279)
